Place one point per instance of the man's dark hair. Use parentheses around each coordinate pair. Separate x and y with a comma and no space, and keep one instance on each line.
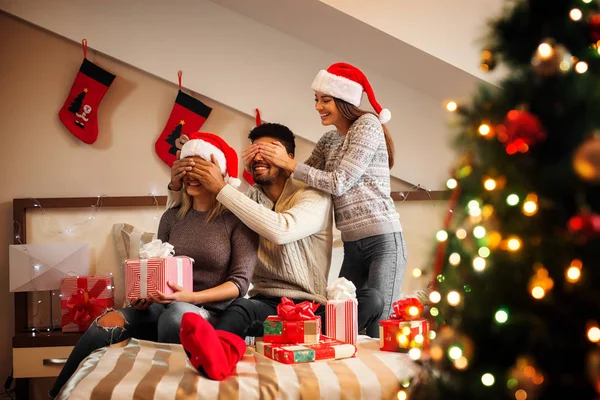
(276,131)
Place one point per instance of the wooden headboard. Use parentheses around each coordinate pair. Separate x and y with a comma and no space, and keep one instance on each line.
(26,208)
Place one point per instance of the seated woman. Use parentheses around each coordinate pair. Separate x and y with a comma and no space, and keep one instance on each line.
(224,251)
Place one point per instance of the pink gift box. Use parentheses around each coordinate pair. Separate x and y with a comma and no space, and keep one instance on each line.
(145,277)
(341,320)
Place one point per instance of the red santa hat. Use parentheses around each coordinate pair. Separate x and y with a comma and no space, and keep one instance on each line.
(204,144)
(346,82)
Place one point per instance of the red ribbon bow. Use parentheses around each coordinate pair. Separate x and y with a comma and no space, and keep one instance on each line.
(407,309)
(82,304)
(289,311)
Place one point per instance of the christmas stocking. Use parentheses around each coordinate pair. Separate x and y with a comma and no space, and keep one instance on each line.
(214,352)
(80,111)
(187,116)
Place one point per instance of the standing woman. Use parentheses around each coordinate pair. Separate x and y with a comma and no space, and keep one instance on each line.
(352,163)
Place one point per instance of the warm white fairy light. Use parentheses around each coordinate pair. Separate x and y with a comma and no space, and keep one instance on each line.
(441,236)
(489,184)
(581,67)
(461,233)
(451,183)
(512,199)
(545,50)
(479,232)
(484,129)
(435,297)
(479,264)
(514,244)
(414,353)
(451,106)
(454,259)
(455,352)
(488,379)
(453,298)
(484,252)
(575,14)
(417,272)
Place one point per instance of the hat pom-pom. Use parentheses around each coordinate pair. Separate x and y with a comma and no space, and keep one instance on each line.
(235,182)
(385,115)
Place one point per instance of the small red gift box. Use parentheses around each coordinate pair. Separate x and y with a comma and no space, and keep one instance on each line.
(294,323)
(326,349)
(83,300)
(404,329)
(144,277)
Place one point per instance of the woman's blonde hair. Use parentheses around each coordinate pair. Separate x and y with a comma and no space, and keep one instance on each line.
(352,113)
(187,202)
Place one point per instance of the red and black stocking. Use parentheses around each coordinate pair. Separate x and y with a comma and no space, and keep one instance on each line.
(80,111)
(188,116)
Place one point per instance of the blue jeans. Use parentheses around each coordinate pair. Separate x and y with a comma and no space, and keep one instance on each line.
(158,322)
(377,262)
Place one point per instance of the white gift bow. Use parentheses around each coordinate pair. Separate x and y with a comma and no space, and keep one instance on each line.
(157,249)
(341,289)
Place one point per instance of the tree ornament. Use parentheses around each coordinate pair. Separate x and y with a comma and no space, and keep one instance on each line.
(488,61)
(594,27)
(551,58)
(584,226)
(586,160)
(526,377)
(521,130)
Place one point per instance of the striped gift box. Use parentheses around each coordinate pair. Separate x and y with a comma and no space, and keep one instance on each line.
(397,335)
(83,299)
(144,277)
(341,320)
(326,349)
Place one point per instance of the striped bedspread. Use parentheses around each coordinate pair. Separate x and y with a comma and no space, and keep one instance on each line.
(138,369)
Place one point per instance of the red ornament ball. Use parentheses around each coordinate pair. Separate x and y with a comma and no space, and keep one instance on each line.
(584,226)
(521,130)
(594,27)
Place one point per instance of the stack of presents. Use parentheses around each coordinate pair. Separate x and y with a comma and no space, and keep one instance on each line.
(292,336)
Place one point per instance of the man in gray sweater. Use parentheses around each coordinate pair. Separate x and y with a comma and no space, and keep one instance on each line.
(294,223)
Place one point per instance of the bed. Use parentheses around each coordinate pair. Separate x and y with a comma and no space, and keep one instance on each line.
(137,369)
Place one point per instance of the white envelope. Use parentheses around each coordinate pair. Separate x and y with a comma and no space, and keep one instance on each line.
(36,267)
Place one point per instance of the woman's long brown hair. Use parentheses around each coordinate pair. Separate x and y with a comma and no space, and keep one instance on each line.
(352,113)
(187,203)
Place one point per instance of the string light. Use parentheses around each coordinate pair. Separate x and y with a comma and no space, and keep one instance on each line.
(530,206)
(581,67)
(435,297)
(484,252)
(453,298)
(454,259)
(514,243)
(521,394)
(479,264)
(545,50)
(461,363)
(402,395)
(538,292)
(487,211)
(455,352)
(416,272)
(593,334)
(512,199)
(434,312)
(475,212)
(441,236)
(494,239)
(414,353)
(451,106)
(451,183)
(484,129)
(587,1)
(461,233)
(489,184)
(573,273)
(488,379)
(575,14)
(479,232)
(501,316)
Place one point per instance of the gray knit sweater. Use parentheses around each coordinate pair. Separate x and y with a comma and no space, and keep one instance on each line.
(223,249)
(354,169)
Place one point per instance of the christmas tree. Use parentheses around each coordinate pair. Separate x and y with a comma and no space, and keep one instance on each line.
(516,290)
(174,137)
(76,104)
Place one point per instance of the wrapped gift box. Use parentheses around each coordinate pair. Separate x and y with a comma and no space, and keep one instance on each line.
(400,336)
(279,330)
(341,320)
(83,300)
(144,277)
(326,349)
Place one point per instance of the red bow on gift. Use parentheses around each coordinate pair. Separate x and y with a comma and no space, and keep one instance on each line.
(82,304)
(289,311)
(407,309)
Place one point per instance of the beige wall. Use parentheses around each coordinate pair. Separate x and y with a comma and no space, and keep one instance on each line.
(40,158)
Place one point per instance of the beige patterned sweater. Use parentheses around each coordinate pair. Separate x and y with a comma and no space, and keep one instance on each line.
(354,169)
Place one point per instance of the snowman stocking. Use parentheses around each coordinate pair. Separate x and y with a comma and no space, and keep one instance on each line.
(80,111)
(187,116)
(214,352)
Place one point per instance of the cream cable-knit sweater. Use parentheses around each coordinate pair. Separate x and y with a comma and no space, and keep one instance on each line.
(294,252)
